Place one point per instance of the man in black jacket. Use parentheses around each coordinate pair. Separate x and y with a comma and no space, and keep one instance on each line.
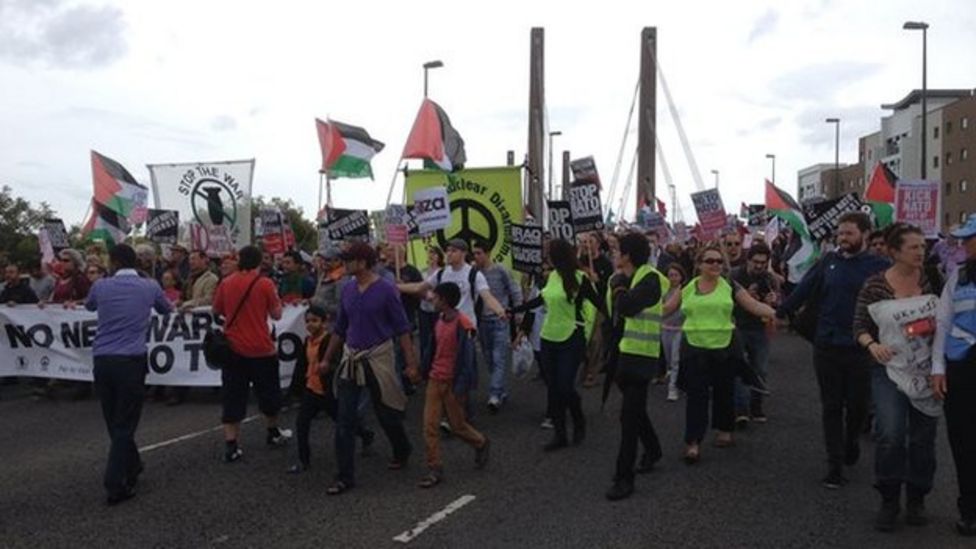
(17,290)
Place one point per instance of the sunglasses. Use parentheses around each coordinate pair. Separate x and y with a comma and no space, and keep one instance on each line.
(712,261)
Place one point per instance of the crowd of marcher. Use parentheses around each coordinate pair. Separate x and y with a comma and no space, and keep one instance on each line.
(891,316)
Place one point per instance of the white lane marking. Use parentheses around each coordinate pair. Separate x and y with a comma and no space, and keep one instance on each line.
(191,436)
(410,535)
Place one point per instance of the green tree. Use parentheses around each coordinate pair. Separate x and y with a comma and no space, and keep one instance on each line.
(306,234)
(19,222)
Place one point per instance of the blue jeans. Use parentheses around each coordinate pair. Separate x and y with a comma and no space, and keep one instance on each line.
(497,348)
(904,451)
(756,345)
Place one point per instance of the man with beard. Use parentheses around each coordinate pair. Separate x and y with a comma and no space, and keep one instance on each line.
(843,367)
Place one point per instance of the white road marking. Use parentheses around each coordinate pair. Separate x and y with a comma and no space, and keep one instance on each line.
(191,436)
(410,535)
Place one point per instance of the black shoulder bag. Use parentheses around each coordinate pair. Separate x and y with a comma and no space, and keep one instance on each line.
(216,346)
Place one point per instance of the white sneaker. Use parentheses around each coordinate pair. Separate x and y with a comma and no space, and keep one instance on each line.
(494,403)
(672,394)
(547,423)
(445,427)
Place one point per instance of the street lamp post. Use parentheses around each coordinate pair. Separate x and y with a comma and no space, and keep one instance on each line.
(836,123)
(430,65)
(924,27)
(551,135)
(773,158)
(715,172)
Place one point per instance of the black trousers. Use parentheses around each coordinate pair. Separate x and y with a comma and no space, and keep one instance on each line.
(312,403)
(844,377)
(120,383)
(633,376)
(703,370)
(960,413)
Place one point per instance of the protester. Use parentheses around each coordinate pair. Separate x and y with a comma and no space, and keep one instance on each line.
(16,290)
(707,353)
(95,272)
(247,300)
(639,304)
(172,289)
(599,269)
(493,329)
(671,326)
(293,285)
(895,321)
(954,372)
(753,334)
(571,303)
(72,286)
(229,264)
(370,317)
(147,262)
(179,262)
(843,367)
(732,243)
(453,365)
(427,316)
(318,395)
(876,243)
(201,284)
(123,303)
(40,281)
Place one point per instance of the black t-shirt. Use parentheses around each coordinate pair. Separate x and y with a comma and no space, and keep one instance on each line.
(411,303)
(760,285)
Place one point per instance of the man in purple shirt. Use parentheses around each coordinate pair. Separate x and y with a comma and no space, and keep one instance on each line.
(370,317)
(124,303)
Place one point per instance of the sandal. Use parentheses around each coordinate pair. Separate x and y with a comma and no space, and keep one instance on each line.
(692,455)
(430,480)
(337,488)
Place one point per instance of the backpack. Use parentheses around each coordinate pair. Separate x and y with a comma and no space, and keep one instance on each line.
(479,305)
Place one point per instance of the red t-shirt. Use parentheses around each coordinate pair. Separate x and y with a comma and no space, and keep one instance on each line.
(249,333)
(445,353)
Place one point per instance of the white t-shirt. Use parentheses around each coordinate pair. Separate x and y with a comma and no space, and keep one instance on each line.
(461,277)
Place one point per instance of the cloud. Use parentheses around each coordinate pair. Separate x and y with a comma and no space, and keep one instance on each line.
(821,82)
(854,122)
(136,125)
(53,34)
(764,25)
(223,123)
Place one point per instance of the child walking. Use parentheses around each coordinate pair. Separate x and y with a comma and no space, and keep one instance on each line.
(453,363)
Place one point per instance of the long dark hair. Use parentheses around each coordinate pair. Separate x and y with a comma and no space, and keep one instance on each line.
(562,255)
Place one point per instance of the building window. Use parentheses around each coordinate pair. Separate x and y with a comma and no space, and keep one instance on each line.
(946,219)
(948,161)
(963,185)
(962,217)
(948,188)
(870,154)
(948,128)
(964,123)
(935,132)
(935,161)
(964,154)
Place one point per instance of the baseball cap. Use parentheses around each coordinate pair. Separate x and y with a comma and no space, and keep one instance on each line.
(458,244)
(967,230)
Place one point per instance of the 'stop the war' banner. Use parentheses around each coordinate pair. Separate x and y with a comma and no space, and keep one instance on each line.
(54,342)
(215,197)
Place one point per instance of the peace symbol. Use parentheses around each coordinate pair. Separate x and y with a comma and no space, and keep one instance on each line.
(467,232)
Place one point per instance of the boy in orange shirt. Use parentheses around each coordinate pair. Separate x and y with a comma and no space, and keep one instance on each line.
(318,395)
(452,366)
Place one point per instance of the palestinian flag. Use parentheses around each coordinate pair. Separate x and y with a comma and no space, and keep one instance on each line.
(117,190)
(346,150)
(105,224)
(880,195)
(782,205)
(434,140)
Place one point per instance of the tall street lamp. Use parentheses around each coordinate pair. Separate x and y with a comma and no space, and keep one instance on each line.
(924,27)
(836,123)
(773,158)
(551,135)
(430,65)
(715,173)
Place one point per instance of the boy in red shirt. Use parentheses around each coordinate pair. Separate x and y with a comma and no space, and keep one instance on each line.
(453,357)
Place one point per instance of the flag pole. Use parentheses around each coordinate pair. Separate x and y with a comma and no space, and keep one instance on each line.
(319,208)
(389,193)
(328,190)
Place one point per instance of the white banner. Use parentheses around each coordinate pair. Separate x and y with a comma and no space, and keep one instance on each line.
(54,342)
(431,209)
(216,196)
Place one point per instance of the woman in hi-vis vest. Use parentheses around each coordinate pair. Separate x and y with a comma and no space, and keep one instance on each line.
(706,349)
(571,304)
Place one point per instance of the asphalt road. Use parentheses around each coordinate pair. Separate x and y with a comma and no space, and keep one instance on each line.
(765,492)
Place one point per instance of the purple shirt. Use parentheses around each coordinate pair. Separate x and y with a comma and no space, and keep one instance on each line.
(367,319)
(124,303)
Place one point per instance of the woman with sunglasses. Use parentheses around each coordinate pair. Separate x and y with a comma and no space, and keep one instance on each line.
(707,363)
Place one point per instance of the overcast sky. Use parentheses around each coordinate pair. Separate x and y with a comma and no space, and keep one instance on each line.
(152,82)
